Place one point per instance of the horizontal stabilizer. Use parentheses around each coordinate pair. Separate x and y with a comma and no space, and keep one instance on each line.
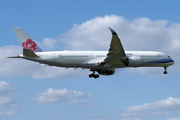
(29,53)
(13,57)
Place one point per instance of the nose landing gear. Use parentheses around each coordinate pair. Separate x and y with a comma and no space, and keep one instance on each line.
(165,68)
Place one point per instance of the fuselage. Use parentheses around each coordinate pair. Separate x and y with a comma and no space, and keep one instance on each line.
(92,59)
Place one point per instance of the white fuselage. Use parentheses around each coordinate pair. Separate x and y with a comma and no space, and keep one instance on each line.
(92,59)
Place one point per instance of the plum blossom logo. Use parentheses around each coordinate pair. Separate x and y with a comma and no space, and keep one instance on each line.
(29,44)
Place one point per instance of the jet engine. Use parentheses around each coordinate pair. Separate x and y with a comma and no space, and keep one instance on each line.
(106,71)
(134,61)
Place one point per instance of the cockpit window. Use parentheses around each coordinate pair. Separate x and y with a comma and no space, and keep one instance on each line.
(169,56)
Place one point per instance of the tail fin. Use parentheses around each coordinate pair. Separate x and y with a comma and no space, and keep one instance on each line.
(25,40)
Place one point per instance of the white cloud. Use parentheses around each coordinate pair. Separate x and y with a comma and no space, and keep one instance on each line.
(169,103)
(5,88)
(58,95)
(9,113)
(139,34)
(131,119)
(97,119)
(92,34)
(12,67)
(74,101)
(177,118)
(143,114)
(7,101)
(157,108)
(48,44)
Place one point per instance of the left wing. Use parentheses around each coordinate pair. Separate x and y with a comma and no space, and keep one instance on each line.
(116,54)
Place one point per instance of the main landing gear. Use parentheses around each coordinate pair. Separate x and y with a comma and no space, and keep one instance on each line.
(93,75)
(165,68)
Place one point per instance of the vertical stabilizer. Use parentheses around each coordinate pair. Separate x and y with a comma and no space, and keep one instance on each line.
(26,41)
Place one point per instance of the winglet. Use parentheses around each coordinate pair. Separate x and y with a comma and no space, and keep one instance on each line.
(112,31)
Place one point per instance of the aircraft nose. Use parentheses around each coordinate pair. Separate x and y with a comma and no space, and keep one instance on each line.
(172,61)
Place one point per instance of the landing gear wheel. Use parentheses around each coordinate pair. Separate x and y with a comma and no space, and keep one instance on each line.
(165,68)
(91,75)
(165,72)
(96,76)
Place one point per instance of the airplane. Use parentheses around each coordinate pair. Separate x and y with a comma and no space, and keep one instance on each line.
(102,62)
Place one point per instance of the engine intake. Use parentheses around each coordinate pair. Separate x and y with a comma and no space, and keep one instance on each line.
(134,61)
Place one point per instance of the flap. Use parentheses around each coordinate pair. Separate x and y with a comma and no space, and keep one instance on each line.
(94,61)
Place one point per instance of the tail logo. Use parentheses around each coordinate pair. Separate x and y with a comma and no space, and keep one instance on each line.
(29,44)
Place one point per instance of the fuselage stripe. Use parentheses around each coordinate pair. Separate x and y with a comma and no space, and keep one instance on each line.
(162,61)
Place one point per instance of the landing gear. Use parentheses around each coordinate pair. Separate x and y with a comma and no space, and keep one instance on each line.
(93,75)
(165,72)
(165,68)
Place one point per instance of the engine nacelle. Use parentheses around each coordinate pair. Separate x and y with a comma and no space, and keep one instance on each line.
(106,71)
(134,61)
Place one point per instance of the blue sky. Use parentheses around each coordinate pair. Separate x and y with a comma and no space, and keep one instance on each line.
(30,91)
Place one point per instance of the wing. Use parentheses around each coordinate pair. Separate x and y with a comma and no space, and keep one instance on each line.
(116,52)
(94,61)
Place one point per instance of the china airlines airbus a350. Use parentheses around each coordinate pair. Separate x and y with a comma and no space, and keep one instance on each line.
(102,62)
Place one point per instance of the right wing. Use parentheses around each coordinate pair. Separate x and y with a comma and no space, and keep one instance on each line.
(116,54)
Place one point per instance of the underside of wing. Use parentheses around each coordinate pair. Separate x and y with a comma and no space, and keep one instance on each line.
(94,61)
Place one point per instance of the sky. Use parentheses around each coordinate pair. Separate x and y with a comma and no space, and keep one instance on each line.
(31,91)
